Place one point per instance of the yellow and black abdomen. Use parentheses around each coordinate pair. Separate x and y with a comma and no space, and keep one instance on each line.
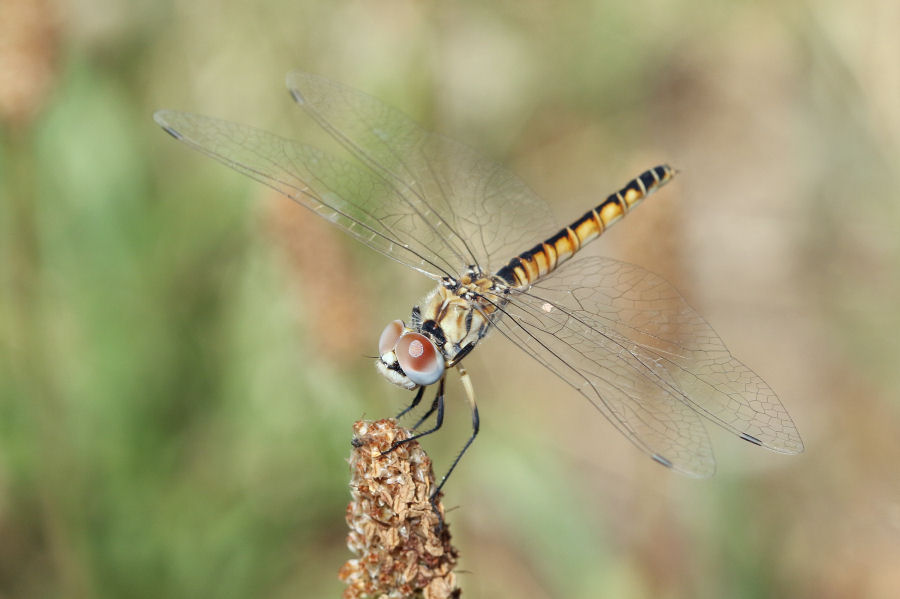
(526,268)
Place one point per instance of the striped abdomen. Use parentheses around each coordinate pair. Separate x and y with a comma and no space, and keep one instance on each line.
(526,268)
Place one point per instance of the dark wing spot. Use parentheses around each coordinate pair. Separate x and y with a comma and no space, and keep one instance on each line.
(297,97)
(172,132)
(662,460)
(751,438)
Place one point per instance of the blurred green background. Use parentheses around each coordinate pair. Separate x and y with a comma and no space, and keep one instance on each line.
(182,353)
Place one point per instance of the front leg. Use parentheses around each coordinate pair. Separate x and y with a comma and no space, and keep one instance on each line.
(476,424)
(414,403)
(437,404)
(462,354)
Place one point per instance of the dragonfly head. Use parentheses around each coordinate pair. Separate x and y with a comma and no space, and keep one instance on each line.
(408,358)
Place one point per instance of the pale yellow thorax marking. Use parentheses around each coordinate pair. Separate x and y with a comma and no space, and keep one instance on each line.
(449,311)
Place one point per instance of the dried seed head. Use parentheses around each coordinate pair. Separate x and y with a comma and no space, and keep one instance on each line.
(403,549)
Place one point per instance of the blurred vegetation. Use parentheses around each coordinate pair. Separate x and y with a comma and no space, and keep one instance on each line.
(182,354)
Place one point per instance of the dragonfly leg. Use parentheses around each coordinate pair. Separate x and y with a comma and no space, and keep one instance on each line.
(462,354)
(414,403)
(434,406)
(426,415)
(437,404)
(470,396)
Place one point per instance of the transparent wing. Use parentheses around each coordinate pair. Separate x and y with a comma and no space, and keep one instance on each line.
(626,339)
(648,413)
(355,199)
(484,213)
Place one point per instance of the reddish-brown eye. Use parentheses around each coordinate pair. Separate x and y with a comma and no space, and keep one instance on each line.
(420,359)
(389,337)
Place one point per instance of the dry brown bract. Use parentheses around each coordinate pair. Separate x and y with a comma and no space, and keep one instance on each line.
(392,524)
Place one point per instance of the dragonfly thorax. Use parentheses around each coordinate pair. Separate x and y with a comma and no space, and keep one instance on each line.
(443,328)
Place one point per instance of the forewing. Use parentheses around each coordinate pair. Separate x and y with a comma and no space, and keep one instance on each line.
(482,211)
(647,412)
(613,304)
(348,195)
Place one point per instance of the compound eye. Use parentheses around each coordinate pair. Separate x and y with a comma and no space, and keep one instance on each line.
(420,359)
(389,336)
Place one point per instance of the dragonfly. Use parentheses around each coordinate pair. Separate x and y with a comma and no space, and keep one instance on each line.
(621,336)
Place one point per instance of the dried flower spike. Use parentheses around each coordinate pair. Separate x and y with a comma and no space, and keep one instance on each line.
(403,550)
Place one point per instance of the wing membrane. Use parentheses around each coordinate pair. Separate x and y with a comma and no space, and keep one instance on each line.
(484,213)
(648,413)
(629,321)
(358,201)
(675,343)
